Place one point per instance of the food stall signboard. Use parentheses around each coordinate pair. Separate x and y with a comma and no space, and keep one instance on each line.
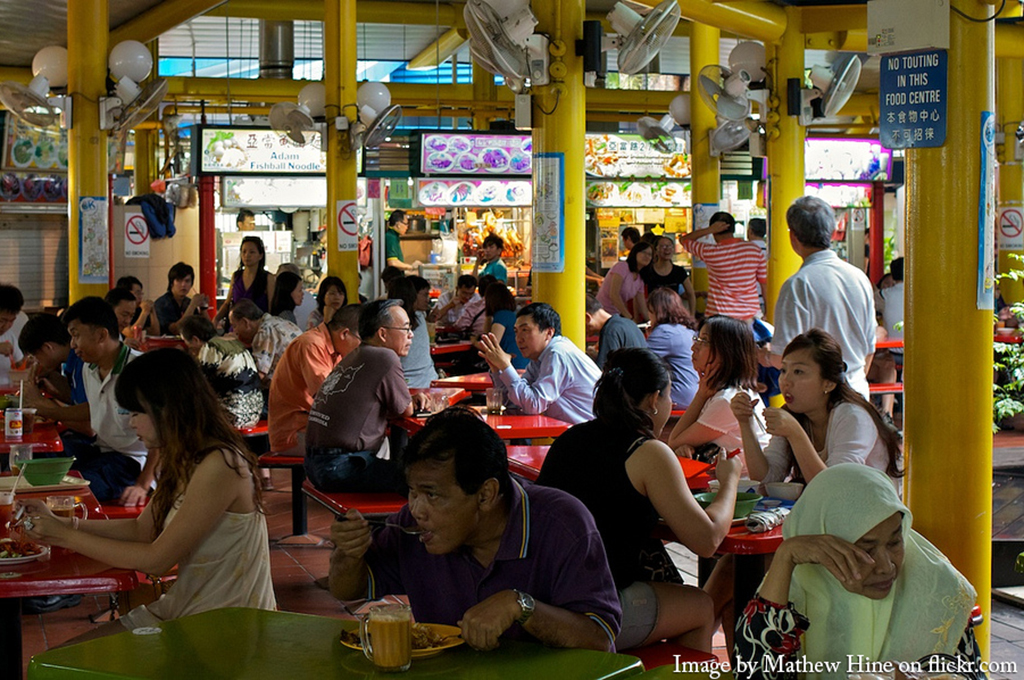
(630,194)
(469,154)
(256,151)
(549,213)
(629,155)
(912,98)
(476,193)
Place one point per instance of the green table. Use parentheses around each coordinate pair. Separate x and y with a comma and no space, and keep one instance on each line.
(250,644)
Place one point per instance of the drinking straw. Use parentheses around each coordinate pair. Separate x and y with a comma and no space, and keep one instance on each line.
(21,394)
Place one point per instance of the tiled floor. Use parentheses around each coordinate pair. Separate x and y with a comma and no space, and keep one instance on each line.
(296,568)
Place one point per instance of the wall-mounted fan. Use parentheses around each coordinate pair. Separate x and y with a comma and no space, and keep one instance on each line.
(31,103)
(658,132)
(377,119)
(130,63)
(833,87)
(729,135)
(725,91)
(640,38)
(498,40)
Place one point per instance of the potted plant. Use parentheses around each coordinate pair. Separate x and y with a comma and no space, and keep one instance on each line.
(1008,385)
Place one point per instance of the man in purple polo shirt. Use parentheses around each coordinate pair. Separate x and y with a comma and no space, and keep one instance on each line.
(495,558)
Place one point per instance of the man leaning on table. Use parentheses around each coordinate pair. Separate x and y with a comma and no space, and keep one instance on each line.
(559,382)
(496,558)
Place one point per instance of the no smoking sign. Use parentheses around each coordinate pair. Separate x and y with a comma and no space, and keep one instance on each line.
(136,236)
(348,226)
(1010,228)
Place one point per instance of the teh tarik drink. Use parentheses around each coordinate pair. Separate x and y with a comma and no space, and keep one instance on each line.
(386,634)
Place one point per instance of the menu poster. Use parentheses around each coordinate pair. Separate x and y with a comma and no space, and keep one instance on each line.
(630,155)
(92,239)
(549,213)
(241,151)
(469,154)
(986,213)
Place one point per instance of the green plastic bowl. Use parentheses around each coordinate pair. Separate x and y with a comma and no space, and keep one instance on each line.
(46,471)
(745,502)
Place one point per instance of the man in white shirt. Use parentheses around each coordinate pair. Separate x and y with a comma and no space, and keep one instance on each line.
(12,320)
(118,466)
(449,306)
(825,293)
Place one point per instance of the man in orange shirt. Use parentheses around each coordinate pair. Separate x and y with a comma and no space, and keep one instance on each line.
(305,363)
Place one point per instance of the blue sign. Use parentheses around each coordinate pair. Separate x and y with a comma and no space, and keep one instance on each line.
(912,99)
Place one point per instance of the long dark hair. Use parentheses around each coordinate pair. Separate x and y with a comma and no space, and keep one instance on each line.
(497,297)
(325,288)
(667,307)
(731,342)
(403,290)
(629,376)
(286,284)
(169,387)
(633,252)
(259,286)
(828,355)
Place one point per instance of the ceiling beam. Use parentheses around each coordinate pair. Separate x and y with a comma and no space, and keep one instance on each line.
(757,19)
(368,12)
(440,50)
(160,19)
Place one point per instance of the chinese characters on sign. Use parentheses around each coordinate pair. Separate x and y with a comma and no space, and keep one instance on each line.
(549,213)
(912,100)
(252,150)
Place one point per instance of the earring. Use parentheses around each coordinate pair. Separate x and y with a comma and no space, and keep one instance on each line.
(654,412)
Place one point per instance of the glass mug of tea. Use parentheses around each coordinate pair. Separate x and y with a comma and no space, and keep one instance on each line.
(386,636)
(64,506)
(6,511)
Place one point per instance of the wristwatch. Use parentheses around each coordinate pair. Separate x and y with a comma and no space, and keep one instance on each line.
(526,605)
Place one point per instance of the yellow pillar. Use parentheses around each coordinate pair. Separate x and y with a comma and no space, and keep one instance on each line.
(561,130)
(948,374)
(1009,113)
(143,168)
(785,159)
(484,90)
(87,144)
(706,182)
(340,84)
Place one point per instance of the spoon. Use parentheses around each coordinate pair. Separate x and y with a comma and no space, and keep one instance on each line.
(412,531)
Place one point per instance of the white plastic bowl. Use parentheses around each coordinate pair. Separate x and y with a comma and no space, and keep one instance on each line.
(744,486)
(787,491)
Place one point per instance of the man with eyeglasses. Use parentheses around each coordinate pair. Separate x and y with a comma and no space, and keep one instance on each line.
(398,224)
(347,449)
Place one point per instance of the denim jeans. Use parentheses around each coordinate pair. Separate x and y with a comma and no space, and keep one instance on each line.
(108,472)
(336,470)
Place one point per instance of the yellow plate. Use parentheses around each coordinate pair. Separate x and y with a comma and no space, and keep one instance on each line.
(450,632)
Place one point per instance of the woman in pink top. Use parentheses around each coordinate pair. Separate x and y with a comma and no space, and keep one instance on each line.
(623,283)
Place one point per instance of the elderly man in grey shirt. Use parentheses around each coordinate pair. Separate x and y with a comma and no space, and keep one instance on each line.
(825,293)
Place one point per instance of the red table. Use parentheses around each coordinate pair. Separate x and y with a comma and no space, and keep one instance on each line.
(454,394)
(474,382)
(66,573)
(161,341)
(508,426)
(450,347)
(526,461)
(44,438)
(889,344)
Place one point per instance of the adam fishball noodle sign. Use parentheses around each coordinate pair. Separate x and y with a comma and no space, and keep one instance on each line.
(241,151)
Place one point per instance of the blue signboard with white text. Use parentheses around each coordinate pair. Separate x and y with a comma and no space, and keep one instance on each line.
(912,97)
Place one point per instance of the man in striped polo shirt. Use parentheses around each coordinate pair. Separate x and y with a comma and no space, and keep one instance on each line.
(735,267)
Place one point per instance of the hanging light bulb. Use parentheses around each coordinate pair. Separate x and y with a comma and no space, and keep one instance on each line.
(371,100)
(130,63)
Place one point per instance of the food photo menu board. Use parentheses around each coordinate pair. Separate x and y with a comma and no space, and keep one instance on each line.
(34,163)
(474,193)
(475,154)
(846,160)
(630,194)
(632,156)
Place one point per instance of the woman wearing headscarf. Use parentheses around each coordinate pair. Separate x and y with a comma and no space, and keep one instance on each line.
(853,578)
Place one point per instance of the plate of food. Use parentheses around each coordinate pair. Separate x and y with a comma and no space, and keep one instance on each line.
(428,639)
(14,551)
